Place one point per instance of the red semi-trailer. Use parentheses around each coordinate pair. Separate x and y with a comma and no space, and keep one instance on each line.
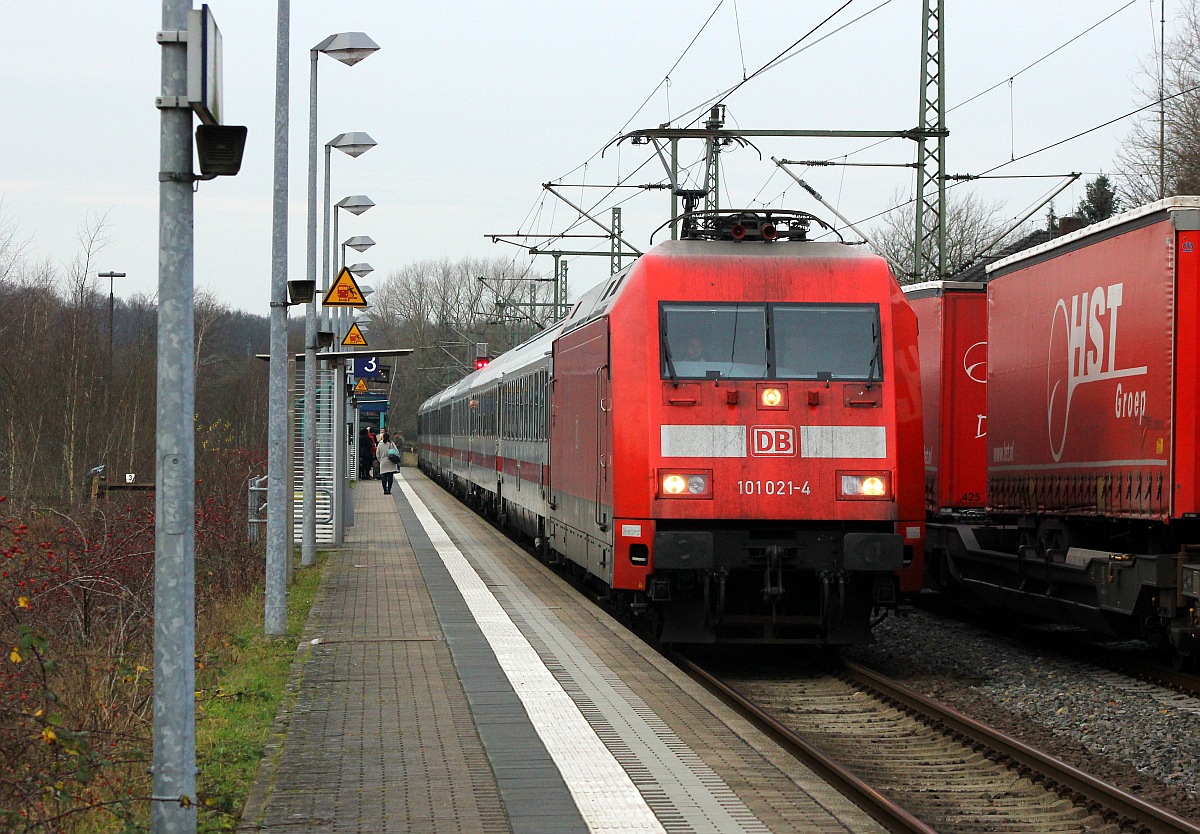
(1092,454)
(952,324)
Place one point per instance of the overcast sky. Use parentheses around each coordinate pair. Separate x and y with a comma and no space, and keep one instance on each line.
(475,104)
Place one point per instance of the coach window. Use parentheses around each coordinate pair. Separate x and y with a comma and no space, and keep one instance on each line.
(704,341)
(525,401)
(826,341)
(506,411)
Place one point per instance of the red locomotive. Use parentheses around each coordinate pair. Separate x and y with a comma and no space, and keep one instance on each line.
(1090,439)
(724,436)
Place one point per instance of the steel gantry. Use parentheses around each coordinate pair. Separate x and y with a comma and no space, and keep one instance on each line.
(929,238)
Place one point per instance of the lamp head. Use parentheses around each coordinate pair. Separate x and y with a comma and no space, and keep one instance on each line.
(356,143)
(355,204)
(347,47)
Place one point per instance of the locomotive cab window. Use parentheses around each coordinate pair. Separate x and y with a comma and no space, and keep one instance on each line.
(826,341)
(770,341)
(702,341)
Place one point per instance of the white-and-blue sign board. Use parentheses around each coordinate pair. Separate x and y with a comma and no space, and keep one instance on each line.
(367,367)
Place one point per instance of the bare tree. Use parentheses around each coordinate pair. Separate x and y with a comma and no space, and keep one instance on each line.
(1151,169)
(84,396)
(972,225)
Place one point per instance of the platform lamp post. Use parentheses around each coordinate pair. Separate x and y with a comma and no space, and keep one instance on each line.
(356,204)
(354,144)
(343,513)
(359,271)
(349,48)
(359,243)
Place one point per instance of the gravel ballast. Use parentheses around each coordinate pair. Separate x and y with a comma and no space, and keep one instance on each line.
(1139,736)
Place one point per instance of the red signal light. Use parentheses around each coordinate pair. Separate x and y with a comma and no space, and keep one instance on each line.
(482,362)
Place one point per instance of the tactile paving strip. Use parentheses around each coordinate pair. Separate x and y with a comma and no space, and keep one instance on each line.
(685,794)
(603,792)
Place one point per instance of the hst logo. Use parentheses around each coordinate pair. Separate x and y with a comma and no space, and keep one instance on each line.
(773,441)
(975,363)
(1083,350)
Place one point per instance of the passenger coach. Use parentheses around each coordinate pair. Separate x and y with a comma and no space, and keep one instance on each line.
(726,436)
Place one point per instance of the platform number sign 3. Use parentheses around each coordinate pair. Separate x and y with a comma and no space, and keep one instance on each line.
(367,367)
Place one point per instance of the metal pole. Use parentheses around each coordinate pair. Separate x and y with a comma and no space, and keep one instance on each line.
(675,182)
(558,299)
(330,271)
(174,789)
(326,278)
(337,428)
(278,547)
(108,375)
(308,536)
(335,418)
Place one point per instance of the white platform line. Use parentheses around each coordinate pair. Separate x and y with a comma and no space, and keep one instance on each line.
(606,796)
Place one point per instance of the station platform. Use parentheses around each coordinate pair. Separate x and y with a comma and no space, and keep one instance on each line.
(448,682)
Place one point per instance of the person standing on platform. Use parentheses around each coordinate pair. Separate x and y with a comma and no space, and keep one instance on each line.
(374,473)
(388,456)
(366,455)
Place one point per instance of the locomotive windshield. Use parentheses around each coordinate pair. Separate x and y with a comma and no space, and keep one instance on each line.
(702,341)
(826,341)
(770,341)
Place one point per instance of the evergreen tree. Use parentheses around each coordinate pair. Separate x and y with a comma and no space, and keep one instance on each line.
(1100,201)
(1052,220)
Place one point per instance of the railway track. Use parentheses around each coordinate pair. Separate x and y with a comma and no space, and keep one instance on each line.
(918,766)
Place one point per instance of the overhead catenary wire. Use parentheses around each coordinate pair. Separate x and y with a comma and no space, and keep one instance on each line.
(1014,75)
(793,51)
(702,108)
(665,83)
(786,54)
(1008,80)
(1042,149)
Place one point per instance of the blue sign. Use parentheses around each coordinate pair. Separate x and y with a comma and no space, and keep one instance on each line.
(376,407)
(367,367)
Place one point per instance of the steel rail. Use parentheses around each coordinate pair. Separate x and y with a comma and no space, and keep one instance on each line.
(883,810)
(1128,807)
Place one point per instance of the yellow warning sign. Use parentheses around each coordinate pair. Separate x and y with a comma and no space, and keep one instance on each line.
(344,292)
(354,337)
(360,387)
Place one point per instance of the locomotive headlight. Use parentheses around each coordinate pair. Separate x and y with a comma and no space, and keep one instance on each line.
(864,485)
(674,485)
(872,486)
(689,484)
(772,396)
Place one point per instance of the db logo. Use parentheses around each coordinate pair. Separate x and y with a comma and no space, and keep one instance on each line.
(773,440)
